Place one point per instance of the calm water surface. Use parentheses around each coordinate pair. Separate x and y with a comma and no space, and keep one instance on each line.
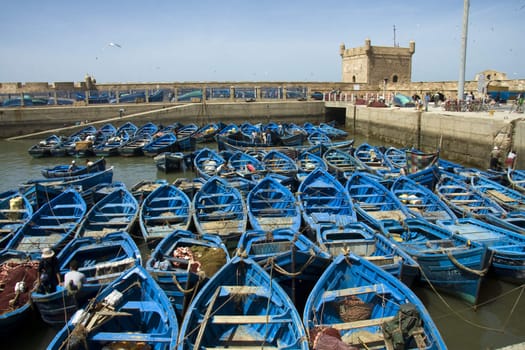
(498,322)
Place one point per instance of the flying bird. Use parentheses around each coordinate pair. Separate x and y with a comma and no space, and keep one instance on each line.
(115,45)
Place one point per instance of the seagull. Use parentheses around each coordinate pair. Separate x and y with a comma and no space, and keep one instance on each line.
(115,45)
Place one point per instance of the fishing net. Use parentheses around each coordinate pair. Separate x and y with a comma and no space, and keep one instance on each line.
(354,309)
(404,325)
(207,260)
(12,295)
(327,339)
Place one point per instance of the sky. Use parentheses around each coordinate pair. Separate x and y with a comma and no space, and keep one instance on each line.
(251,40)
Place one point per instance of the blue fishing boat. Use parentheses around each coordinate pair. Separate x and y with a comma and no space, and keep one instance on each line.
(132,309)
(360,304)
(134,146)
(420,200)
(63,170)
(219,209)
(15,211)
(342,164)
(240,306)
(508,198)
(516,179)
(428,177)
(185,141)
(164,210)
(143,188)
(293,260)
(271,205)
(276,162)
(169,161)
(19,274)
(110,147)
(100,259)
(163,143)
(43,148)
(318,137)
(183,262)
(206,133)
(448,262)
(246,165)
(396,156)
(506,249)
(308,162)
(466,201)
(85,181)
(207,162)
(374,158)
(360,239)
(51,226)
(324,201)
(332,132)
(128,128)
(117,211)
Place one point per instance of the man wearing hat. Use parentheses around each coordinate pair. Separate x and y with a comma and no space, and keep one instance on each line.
(73,166)
(48,272)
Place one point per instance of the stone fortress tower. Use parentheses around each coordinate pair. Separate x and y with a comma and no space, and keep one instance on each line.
(373,64)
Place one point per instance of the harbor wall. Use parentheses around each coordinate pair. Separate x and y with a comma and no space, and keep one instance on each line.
(461,137)
(40,121)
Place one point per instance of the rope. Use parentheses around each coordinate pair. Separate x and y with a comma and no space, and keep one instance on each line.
(459,265)
(281,270)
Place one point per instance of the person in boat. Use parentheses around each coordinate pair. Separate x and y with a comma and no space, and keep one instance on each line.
(89,163)
(73,166)
(48,272)
(73,279)
(509,161)
(210,166)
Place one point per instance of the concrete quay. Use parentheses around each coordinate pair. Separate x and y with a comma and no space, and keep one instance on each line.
(466,137)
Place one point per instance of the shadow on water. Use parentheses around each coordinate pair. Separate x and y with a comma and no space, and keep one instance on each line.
(499,320)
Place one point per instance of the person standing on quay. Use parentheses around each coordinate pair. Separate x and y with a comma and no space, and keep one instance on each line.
(494,158)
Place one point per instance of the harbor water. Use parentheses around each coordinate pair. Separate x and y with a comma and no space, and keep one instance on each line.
(498,321)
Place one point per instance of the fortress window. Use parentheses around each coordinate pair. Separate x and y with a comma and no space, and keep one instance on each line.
(394,79)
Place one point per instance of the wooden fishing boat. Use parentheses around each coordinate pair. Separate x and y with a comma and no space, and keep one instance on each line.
(308,162)
(508,198)
(318,137)
(117,211)
(428,177)
(448,263)
(134,146)
(246,165)
(271,205)
(341,164)
(360,239)
(207,162)
(358,303)
(240,307)
(220,209)
(128,128)
(396,156)
(206,133)
(132,309)
(420,200)
(185,141)
(294,261)
(516,180)
(44,147)
(52,225)
(323,200)
(169,161)
(276,162)
(332,132)
(15,211)
(163,143)
(110,147)
(466,201)
(19,274)
(60,171)
(143,188)
(506,249)
(374,158)
(100,259)
(183,262)
(84,181)
(164,210)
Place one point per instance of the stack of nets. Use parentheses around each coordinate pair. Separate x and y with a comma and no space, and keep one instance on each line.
(354,309)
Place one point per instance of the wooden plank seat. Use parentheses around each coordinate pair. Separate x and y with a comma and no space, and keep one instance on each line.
(59,217)
(361,323)
(13,210)
(118,205)
(129,337)
(109,223)
(247,319)
(65,206)
(338,293)
(175,208)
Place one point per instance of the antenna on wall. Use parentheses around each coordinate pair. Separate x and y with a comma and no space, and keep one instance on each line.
(395,44)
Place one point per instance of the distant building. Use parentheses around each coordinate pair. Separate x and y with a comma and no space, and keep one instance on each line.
(373,64)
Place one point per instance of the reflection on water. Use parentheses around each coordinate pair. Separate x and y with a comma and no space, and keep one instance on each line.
(499,322)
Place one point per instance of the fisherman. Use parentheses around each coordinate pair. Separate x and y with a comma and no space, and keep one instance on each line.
(494,159)
(73,279)
(89,163)
(73,166)
(48,272)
